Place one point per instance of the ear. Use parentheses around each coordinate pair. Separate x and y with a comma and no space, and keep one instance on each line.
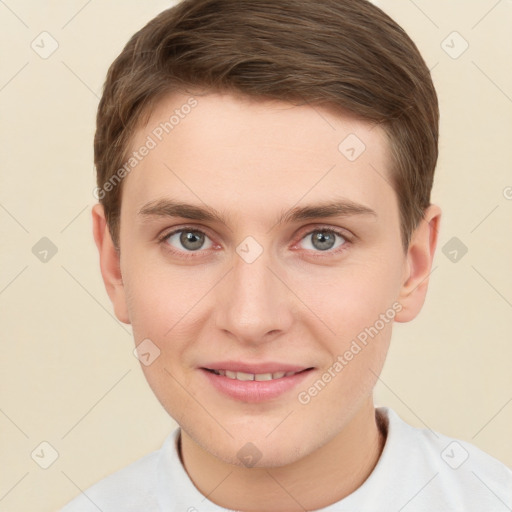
(109,263)
(420,255)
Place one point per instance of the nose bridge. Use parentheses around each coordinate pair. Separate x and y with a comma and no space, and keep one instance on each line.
(253,301)
(253,279)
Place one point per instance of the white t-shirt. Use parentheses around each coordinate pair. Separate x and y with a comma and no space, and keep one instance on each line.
(418,471)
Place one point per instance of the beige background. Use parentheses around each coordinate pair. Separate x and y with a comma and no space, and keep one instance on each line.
(68,374)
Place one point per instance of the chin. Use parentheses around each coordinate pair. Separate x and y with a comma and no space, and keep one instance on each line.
(261,450)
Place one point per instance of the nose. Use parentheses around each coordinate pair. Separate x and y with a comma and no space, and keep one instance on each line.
(254,305)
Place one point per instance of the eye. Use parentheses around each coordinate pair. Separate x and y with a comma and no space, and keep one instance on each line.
(189,239)
(186,241)
(324,240)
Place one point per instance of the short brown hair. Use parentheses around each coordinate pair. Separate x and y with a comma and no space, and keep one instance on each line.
(347,55)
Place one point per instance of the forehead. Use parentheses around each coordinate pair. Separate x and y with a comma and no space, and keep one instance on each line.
(218,148)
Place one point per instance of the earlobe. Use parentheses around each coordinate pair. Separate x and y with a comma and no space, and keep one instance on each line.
(420,256)
(109,263)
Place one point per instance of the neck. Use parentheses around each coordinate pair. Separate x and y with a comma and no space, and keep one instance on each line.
(317,480)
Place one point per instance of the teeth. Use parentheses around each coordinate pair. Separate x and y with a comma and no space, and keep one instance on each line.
(263,376)
(244,376)
(252,376)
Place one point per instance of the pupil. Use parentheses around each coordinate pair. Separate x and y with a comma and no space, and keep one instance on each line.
(326,240)
(190,240)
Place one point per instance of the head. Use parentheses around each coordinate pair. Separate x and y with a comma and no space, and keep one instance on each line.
(254,112)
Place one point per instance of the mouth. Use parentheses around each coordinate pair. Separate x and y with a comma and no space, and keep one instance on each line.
(244,376)
(255,387)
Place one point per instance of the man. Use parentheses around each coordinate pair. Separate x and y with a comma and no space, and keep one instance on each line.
(264,177)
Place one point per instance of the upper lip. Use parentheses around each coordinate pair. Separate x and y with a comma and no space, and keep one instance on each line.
(269,367)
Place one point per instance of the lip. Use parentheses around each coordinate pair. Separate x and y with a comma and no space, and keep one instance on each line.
(253,391)
(269,367)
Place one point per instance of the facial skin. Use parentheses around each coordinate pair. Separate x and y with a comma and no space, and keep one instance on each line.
(252,161)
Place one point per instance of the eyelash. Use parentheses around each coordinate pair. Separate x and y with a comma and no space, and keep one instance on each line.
(193,254)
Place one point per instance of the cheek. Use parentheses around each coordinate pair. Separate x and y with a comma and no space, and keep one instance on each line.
(158,306)
(158,296)
(357,306)
(352,297)
(163,307)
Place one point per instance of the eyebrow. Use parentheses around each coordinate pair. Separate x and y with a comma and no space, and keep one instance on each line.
(172,208)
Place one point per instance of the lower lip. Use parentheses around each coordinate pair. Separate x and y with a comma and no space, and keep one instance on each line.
(255,390)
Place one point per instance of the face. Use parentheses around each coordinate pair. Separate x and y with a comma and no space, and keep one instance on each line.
(269,282)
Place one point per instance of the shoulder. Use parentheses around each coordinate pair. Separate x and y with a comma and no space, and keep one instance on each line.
(132,488)
(455,472)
